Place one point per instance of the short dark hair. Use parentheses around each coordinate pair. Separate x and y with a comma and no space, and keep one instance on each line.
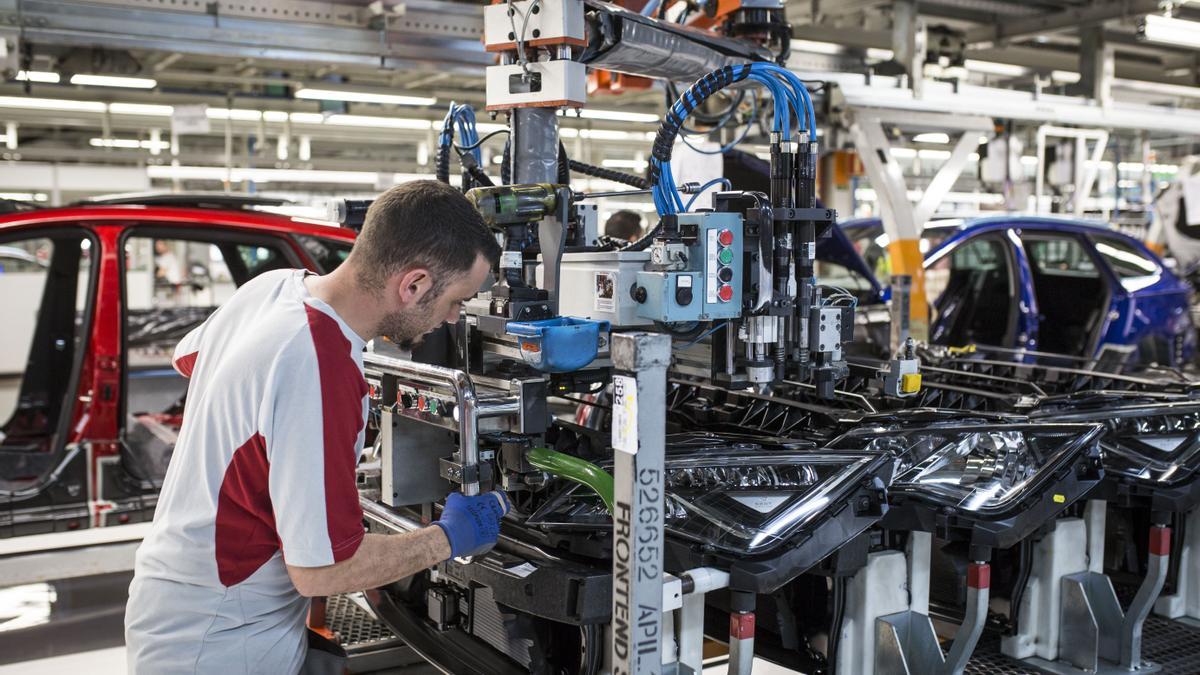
(422,223)
(625,225)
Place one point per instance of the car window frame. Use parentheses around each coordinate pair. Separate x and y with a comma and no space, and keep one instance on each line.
(1105,274)
(72,397)
(191,232)
(1094,237)
(297,238)
(1014,274)
(1082,241)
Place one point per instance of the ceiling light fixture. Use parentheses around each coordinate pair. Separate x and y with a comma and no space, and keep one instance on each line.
(369,121)
(50,104)
(616,115)
(127,144)
(113,81)
(362,97)
(42,76)
(993,68)
(1170,31)
(624,163)
(141,109)
(935,137)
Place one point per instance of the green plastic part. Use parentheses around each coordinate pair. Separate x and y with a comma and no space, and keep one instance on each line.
(575,469)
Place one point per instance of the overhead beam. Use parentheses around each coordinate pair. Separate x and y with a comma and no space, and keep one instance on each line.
(1057,21)
(436,34)
(1041,60)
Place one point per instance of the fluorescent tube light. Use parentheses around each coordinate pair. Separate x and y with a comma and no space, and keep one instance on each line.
(113,81)
(127,143)
(816,47)
(624,163)
(141,109)
(361,97)
(237,175)
(932,137)
(38,76)
(50,104)
(1171,31)
(617,115)
(307,118)
(237,114)
(993,68)
(370,121)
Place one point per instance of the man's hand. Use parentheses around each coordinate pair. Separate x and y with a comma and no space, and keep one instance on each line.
(469,526)
(472,524)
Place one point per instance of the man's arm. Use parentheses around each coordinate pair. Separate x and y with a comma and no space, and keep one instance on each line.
(380,560)
(468,526)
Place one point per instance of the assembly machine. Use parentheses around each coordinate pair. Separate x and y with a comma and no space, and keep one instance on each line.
(566,382)
(572,316)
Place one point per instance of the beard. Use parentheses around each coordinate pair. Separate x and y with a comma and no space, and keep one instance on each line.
(406,327)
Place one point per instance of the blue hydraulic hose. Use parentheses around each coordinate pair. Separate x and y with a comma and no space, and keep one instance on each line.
(728,186)
(788,93)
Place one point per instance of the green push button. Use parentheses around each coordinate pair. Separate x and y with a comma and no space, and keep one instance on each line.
(725,257)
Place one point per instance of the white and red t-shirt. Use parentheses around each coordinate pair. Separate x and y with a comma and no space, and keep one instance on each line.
(263,473)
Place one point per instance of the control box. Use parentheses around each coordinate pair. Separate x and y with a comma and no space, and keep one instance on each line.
(600,286)
(708,286)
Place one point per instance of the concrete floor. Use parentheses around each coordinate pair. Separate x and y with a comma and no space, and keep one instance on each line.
(110,661)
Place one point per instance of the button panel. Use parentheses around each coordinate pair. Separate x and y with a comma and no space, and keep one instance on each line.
(720,260)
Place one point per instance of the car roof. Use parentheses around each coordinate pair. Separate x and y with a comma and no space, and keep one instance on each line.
(1036,223)
(171,216)
(999,221)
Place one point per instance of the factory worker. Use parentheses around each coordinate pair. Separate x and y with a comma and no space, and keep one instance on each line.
(259,509)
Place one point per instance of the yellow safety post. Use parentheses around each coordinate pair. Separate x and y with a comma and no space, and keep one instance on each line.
(906,258)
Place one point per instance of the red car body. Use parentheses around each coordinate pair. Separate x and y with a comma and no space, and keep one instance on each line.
(90,450)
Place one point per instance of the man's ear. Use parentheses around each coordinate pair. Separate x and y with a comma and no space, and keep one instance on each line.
(413,286)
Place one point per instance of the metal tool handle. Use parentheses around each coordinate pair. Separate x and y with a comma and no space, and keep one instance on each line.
(466,402)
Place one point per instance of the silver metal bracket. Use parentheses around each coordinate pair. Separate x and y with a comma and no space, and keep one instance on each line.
(1090,634)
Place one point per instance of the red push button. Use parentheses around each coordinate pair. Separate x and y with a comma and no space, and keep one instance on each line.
(725,293)
(725,237)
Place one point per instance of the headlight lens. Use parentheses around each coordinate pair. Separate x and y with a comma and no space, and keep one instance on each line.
(984,469)
(1157,443)
(742,496)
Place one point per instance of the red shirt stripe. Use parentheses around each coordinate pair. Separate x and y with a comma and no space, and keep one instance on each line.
(245,529)
(342,391)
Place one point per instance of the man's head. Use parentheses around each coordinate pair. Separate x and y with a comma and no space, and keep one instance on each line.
(422,252)
(624,225)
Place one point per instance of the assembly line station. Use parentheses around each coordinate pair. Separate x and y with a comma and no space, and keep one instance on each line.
(850,338)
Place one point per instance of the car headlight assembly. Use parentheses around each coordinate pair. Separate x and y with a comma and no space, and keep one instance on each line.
(1151,448)
(735,494)
(992,474)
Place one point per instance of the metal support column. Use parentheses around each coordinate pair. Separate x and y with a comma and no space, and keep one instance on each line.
(1157,564)
(1089,616)
(1096,65)
(902,222)
(1086,167)
(908,43)
(639,439)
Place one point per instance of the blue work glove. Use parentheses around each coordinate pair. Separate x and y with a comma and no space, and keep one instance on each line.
(472,524)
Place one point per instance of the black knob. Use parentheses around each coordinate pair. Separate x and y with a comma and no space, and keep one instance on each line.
(683,296)
(638,293)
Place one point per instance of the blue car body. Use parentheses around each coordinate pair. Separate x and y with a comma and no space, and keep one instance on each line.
(1073,287)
